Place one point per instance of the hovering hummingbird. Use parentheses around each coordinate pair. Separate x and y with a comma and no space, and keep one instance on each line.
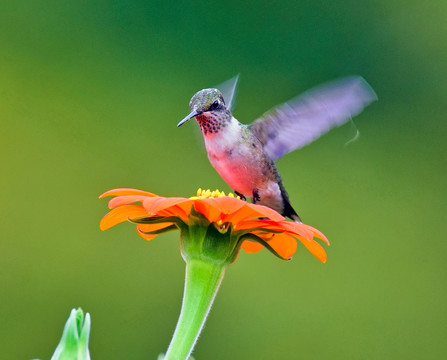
(244,155)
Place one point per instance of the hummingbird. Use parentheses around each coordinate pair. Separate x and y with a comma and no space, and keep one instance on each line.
(245,155)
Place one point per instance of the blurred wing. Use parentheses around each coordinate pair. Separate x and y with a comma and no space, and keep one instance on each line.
(304,119)
(228,90)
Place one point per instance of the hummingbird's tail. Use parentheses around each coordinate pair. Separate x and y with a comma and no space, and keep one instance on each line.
(291,213)
(288,209)
(296,218)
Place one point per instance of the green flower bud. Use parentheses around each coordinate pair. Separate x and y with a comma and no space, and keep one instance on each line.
(74,341)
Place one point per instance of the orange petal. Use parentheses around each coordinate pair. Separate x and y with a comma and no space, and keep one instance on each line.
(318,234)
(173,206)
(148,202)
(125,200)
(154,205)
(165,203)
(259,224)
(226,204)
(251,246)
(284,244)
(265,211)
(121,214)
(315,248)
(251,211)
(145,236)
(125,191)
(207,209)
(142,228)
(182,210)
(177,211)
(297,229)
(216,209)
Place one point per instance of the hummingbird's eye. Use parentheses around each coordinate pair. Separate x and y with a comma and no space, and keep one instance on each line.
(214,105)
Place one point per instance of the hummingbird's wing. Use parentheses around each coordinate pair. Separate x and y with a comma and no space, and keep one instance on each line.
(302,120)
(228,90)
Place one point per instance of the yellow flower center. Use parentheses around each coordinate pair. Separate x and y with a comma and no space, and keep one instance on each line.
(208,194)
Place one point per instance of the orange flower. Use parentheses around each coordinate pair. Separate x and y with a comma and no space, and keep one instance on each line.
(253,226)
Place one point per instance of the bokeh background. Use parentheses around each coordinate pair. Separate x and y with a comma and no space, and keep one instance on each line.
(90,95)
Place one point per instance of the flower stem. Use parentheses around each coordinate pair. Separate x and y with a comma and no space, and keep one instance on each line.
(202,282)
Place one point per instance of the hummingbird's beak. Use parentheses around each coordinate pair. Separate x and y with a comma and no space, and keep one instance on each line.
(191,115)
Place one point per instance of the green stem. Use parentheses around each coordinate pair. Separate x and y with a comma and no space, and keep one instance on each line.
(201,285)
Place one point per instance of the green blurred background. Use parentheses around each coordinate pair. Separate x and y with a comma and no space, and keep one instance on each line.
(90,95)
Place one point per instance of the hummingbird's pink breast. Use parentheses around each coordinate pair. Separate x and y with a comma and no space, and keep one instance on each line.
(238,160)
(240,176)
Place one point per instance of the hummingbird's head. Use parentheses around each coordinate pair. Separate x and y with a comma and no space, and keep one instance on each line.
(205,104)
(207,100)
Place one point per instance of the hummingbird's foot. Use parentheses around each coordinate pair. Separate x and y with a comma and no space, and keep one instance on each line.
(256,196)
(242,197)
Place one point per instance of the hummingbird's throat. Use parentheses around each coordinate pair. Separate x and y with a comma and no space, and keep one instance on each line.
(211,123)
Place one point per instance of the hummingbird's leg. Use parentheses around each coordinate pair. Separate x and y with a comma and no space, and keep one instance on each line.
(240,195)
(256,196)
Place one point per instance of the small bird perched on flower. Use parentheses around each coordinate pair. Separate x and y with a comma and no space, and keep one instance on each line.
(244,155)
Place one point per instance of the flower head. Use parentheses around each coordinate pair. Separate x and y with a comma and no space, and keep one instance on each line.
(250,226)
